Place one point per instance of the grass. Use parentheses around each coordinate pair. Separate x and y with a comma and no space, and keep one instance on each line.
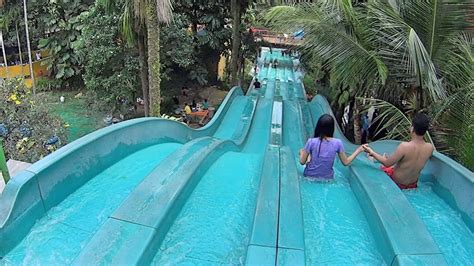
(74,111)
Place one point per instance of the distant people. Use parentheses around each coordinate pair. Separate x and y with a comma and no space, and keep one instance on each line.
(205,105)
(184,91)
(364,120)
(38,56)
(271,50)
(187,109)
(61,99)
(275,63)
(256,84)
(319,152)
(194,104)
(405,164)
(176,100)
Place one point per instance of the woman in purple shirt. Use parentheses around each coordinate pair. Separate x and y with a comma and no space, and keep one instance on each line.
(322,150)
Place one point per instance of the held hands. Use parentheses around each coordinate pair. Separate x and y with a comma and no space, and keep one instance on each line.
(359,149)
(367,149)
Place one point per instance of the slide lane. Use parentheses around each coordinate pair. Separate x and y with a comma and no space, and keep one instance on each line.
(73,222)
(60,235)
(215,222)
(335,228)
(449,231)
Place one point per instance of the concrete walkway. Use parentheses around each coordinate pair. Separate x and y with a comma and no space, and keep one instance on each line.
(14,167)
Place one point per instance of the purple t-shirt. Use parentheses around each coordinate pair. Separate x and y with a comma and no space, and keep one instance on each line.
(322,157)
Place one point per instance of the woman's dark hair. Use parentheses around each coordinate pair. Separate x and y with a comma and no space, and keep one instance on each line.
(324,128)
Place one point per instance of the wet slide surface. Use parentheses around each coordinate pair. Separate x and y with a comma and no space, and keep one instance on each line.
(213,225)
(64,231)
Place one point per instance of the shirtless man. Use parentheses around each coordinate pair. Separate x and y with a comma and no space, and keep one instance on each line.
(405,164)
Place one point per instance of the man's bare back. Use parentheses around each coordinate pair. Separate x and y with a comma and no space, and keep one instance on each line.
(415,154)
(409,157)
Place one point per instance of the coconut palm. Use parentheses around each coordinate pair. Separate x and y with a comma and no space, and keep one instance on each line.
(410,51)
(140,23)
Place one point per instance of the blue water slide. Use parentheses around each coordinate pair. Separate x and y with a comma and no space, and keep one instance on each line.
(153,191)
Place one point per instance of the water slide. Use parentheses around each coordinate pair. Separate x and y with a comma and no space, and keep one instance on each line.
(153,191)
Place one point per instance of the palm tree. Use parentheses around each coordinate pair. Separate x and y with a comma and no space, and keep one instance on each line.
(140,23)
(415,51)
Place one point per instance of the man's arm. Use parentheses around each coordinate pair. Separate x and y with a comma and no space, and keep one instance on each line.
(387,161)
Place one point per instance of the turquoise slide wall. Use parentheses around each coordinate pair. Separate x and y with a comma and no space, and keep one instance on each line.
(136,228)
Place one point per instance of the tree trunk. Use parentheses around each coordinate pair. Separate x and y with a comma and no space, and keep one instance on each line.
(153,41)
(19,46)
(144,73)
(28,45)
(356,123)
(4,54)
(236,42)
(241,80)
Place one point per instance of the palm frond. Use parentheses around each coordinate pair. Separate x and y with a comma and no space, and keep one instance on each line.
(390,119)
(127,23)
(457,62)
(328,35)
(437,20)
(454,125)
(401,45)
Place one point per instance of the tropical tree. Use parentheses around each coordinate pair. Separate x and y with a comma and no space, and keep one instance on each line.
(413,54)
(140,19)
(238,10)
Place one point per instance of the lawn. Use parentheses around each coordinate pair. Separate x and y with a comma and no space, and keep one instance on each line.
(75,112)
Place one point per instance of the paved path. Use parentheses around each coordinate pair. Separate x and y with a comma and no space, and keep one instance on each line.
(14,168)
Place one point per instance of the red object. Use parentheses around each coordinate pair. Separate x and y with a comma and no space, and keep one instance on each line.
(390,171)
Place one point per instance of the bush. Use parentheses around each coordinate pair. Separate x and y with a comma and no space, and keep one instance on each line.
(110,67)
(28,131)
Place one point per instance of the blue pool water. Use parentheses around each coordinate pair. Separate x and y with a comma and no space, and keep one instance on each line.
(335,229)
(216,231)
(60,235)
(452,235)
(215,223)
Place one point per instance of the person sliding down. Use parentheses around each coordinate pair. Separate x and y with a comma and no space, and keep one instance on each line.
(405,164)
(319,152)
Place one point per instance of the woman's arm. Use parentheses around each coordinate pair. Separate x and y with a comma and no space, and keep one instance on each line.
(347,160)
(303,157)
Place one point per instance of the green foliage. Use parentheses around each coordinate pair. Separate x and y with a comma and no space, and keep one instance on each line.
(63,25)
(413,55)
(28,123)
(110,67)
(208,24)
(178,52)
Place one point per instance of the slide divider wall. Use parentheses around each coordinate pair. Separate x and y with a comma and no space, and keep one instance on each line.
(150,210)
